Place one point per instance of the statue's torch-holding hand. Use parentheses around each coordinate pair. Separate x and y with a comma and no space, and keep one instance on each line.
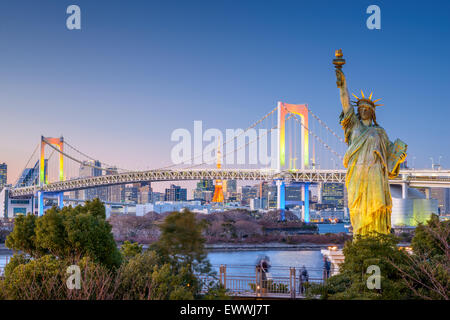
(340,80)
(338,63)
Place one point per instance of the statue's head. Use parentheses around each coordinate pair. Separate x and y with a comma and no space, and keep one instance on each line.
(366,108)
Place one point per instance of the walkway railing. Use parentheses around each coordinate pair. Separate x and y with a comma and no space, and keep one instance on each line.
(250,281)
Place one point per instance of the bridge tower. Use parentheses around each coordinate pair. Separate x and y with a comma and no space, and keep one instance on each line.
(59,142)
(218,189)
(43,178)
(301,110)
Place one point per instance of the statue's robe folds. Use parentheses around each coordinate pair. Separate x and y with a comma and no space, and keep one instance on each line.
(367,180)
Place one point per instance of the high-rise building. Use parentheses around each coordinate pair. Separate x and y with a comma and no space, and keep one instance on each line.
(333,194)
(203,190)
(443,197)
(114,193)
(145,193)
(267,193)
(206,185)
(130,193)
(30,176)
(157,196)
(87,171)
(231,186)
(3,175)
(248,192)
(294,195)
(175,193)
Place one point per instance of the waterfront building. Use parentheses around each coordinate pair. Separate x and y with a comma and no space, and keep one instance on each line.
(415,208)
(171,206)
(10,208)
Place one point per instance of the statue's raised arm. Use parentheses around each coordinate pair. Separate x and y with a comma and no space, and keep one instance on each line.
(341,81)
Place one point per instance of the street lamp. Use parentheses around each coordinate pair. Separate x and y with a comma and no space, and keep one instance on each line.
(432,163)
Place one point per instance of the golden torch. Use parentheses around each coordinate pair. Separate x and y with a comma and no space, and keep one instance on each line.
(338,63)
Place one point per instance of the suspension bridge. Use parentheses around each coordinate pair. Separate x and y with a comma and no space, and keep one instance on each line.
(296,136)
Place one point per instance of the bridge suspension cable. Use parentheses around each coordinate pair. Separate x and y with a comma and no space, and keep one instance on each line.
(245,145)
(28,162)
(317,137)
(225,142)
(91,158)
(74,159)
(325,126)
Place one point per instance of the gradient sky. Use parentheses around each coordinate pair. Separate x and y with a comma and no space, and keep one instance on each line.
(140,69)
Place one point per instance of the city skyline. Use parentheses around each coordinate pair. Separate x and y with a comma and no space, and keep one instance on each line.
(119,86)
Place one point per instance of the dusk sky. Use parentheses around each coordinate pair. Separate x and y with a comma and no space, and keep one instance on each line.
(137,70)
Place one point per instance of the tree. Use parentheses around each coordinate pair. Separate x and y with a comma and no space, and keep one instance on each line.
(36,279)
(181,241)
(23,236)
(351,282)
(145,276)
(130,250)
(68,233)
(427,270)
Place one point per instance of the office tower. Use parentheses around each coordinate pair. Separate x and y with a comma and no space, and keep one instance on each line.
(87,171)
(175,193)
(113,193)
(145,193)
(333,195)
(3,175)
(203,190)
(247,193)
(157,196)
(231,186)
(294,195)
(443,197)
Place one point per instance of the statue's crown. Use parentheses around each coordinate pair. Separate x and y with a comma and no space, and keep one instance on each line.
(366,101)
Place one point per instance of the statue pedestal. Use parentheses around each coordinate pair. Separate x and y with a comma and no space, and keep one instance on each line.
(335,256)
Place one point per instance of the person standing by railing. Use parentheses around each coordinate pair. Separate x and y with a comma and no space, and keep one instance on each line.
(326,268)
(304,279)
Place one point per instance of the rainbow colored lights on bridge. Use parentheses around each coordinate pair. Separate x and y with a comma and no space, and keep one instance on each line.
(299,109)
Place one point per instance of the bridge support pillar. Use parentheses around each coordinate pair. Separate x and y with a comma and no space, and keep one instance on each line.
(61,200)
(319,192)
(404,187)
(428,193)
(306,202)
(281,201)
(40,197)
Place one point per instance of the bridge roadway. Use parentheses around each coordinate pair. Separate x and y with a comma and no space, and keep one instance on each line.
(413,178)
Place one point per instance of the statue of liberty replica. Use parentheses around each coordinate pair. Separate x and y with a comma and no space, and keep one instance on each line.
(371,160)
